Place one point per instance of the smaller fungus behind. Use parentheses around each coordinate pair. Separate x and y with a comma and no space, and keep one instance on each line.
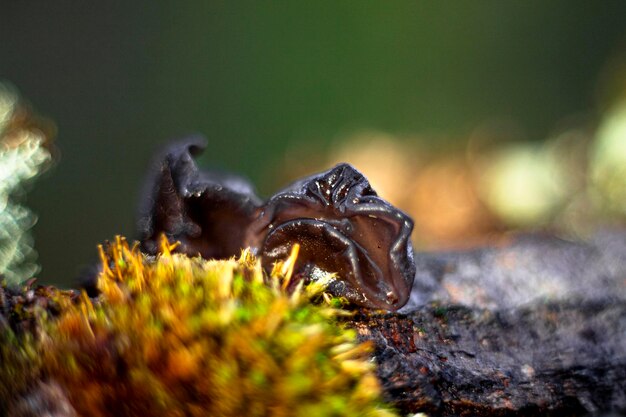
(340,223)
(208,212)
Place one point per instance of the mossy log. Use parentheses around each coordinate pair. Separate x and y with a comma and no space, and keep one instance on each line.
(535,326)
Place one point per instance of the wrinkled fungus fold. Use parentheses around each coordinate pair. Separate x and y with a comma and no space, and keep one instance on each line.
(340,223)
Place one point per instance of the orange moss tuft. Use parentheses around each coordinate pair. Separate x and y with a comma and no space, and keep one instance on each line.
(180,336)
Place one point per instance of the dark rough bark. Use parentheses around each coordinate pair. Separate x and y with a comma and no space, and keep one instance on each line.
(537,327)
(453,360)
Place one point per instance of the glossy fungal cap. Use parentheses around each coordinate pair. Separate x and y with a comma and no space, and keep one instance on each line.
(342,226)
(208,212)
(340,223)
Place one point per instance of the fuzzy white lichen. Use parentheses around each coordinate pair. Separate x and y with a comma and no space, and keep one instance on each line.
(23,156)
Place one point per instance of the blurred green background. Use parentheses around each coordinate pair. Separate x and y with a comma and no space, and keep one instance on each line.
(120,79)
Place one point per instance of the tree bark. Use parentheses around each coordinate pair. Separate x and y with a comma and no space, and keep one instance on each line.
(534,327)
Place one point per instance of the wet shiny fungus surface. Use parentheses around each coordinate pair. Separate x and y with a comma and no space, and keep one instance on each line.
(340,222)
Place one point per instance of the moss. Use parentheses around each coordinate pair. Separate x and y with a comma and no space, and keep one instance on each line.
(180,336)
(21,365)
(23,311)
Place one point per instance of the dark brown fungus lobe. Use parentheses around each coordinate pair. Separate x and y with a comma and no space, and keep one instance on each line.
(208,212)
(342,226)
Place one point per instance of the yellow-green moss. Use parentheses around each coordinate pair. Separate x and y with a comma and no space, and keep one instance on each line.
(20,365)
(180,336)
(22,312)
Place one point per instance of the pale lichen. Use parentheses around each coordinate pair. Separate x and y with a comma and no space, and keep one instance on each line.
(24,154)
